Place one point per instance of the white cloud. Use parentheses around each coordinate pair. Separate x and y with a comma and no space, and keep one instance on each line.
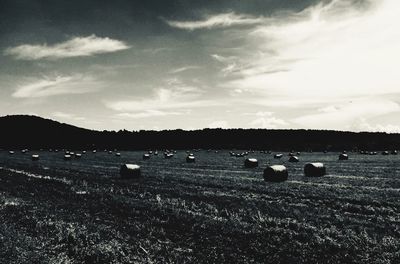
(149,113)
(50,86)
(325,52)
(265,119)
(182,69)
(216,21)
(344,116)
(362,124)
(268,122)
(174,95)
(75,47)
(68,116)
(218,124)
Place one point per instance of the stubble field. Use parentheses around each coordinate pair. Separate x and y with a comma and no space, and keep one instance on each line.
(211,211)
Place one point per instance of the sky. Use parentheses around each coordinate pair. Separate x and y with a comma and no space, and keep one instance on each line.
(167,64)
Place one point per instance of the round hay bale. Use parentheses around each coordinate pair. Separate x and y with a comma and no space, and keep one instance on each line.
(190,159)
(168,155)
(291,154)
(343,156)
(238,155)
(110,152)
(11,152)
(232,153)
(251,163)
(294,159)
(394,152)
(276,173)
(118,154)
(78,155)
(84,152)
(35,157)
(385,153)
(146,156)
(298,153)
(278,156)
(94,151)
(67,157)
(316,169)
(156,152)
(191,154)
(130,171)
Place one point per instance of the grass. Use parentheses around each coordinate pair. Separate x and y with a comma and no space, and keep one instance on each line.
(213,211)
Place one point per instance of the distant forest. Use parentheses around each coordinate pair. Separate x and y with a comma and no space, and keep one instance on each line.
(19,131)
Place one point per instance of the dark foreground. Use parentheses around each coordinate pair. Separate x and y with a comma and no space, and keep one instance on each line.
(213,211)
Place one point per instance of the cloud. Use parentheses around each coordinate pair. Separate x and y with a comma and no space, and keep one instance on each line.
(362,124)
(50,86)
(344,116)
(268,122)
(174,95)
(218,124)
(68,116)
(265,120)
(75,47)
(182,69)
(325,52)
(149,113)
(216,21)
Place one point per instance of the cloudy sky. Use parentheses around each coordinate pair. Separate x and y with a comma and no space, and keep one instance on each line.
(193,64)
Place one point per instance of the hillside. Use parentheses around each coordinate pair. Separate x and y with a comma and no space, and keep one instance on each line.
(35,132)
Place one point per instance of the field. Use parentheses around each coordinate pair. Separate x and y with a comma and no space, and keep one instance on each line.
(211,211)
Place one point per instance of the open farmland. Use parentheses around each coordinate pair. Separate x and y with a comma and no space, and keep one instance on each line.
(213,210)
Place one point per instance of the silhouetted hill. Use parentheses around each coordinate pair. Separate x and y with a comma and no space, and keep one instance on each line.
(20,131)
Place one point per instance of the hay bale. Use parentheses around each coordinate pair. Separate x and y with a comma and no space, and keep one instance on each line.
(251,163)
(118,154)
(11,152)
(343,156)
(385,153)
(35,157)
(94,151)
(394,152)
(316,169)
(67,157)
(190,158)
(110,152)
(146,156)
(276,173)
(156,153)
(291,154)
(78,155)
(168,155)
(84,152)
(278,156)
(294,159)
(130,171)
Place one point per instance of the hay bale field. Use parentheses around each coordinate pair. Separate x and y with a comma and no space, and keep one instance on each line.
(214,210)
